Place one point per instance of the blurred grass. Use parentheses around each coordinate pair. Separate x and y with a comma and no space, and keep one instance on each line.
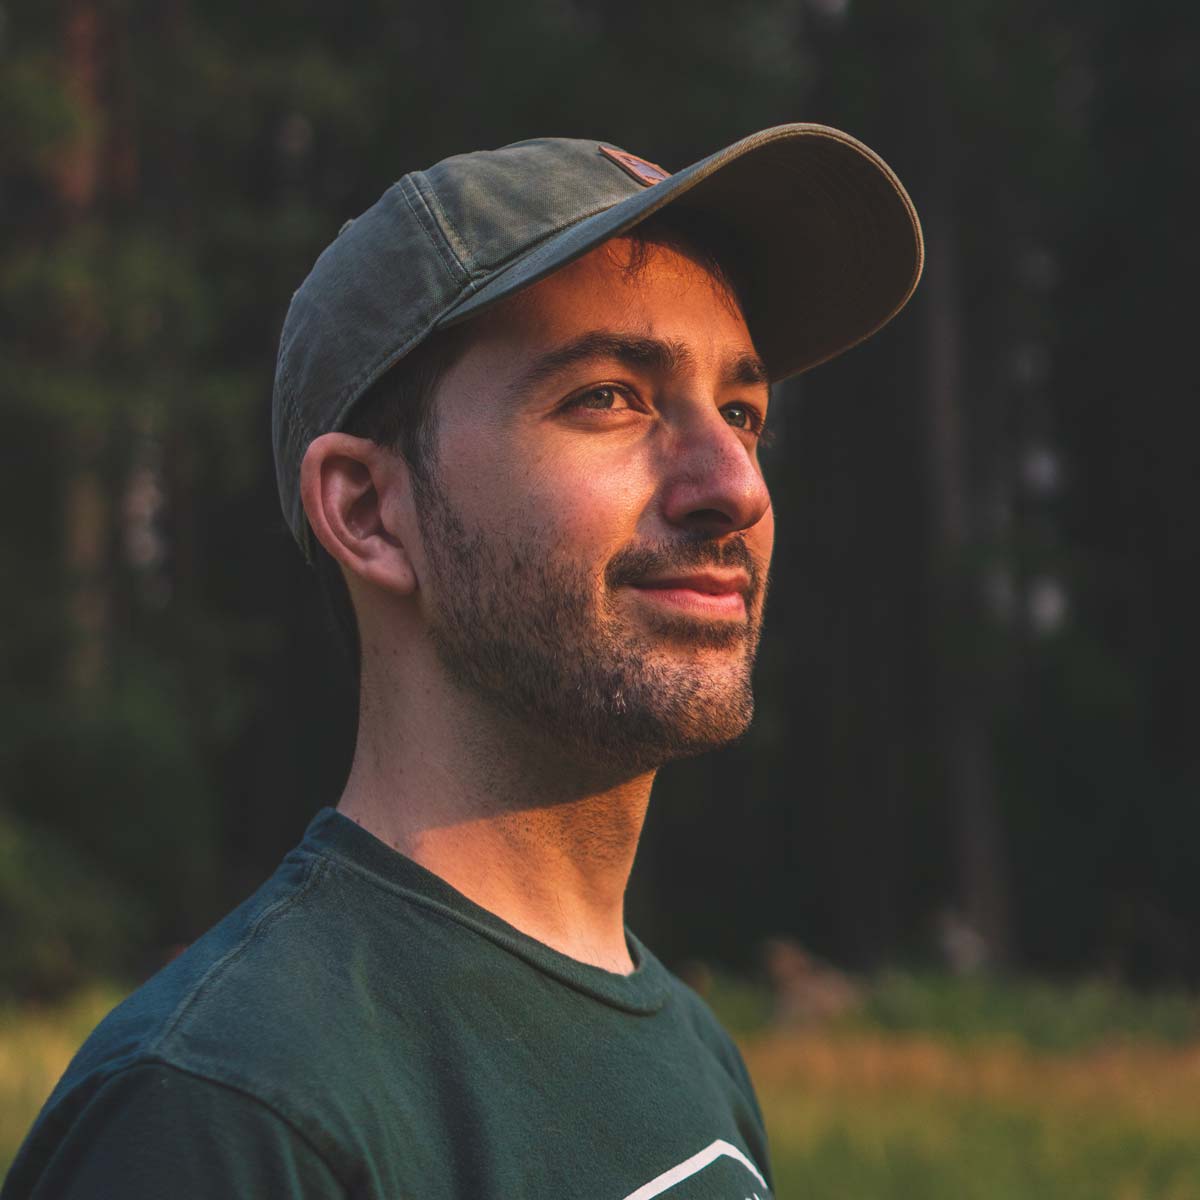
(35,1046)
(980,1088)
(1039,1013)
(883,1116)
(935,1088)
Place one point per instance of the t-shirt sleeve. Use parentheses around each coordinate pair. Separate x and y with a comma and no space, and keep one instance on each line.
(725,1049)
(154,1131)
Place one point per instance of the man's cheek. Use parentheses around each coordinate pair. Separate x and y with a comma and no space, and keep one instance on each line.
(587,504)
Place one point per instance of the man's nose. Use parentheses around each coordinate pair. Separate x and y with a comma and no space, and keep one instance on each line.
(714,484)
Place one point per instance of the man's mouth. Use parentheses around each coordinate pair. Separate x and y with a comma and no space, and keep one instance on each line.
(712,593)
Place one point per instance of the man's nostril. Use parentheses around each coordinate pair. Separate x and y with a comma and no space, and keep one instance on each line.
(710,516)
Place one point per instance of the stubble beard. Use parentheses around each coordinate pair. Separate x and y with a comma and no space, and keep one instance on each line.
(519,626)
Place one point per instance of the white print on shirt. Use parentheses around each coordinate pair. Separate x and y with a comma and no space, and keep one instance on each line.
(693,1166)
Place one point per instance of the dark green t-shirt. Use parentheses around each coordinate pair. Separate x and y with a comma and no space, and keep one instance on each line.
(358,1028)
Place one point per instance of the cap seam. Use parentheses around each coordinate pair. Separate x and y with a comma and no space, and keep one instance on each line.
(353,389)
(489,274)
(449,231)
(428,222)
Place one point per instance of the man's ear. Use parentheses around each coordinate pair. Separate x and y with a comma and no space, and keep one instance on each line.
(344,482)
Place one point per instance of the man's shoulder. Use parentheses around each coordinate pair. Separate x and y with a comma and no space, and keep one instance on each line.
(318,1007)
(245,954)
(271,1002)
(149,1130)
(712,1034)
(205,1030)
(697,1012)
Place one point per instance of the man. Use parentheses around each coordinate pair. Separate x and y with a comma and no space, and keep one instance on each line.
(517,413)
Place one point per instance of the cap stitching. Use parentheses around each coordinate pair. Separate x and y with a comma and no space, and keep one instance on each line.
(487,275)
(353,388)
(432,230)
(449,231)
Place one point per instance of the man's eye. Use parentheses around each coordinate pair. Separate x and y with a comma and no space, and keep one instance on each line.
(600,398)
(742,416)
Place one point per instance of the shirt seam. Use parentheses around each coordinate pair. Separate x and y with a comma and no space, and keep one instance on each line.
(212,975)
(155,1059)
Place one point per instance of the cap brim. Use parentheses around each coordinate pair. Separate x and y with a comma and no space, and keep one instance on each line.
(828,242)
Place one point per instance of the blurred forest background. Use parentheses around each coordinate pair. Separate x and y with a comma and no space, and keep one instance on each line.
(976,739)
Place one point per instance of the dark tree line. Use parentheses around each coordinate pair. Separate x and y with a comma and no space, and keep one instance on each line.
(975,691)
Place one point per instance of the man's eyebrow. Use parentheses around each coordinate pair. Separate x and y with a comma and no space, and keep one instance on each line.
(748,370)
(646,353)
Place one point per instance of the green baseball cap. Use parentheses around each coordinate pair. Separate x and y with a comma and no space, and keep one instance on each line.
(829,249)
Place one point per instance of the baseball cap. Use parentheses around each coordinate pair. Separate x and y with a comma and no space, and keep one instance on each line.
(828,242)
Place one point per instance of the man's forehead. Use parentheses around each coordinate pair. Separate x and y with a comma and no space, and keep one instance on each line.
(646,290)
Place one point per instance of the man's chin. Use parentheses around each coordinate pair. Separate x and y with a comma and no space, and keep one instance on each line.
(691,712)
(700,658)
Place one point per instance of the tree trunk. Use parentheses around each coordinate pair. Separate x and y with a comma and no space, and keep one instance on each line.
(86,511)
(962,731)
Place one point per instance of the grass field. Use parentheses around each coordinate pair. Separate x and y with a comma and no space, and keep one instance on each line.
(891,1116)
(936,1089)
(35,1047)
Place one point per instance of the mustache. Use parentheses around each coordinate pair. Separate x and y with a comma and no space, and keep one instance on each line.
(634,563)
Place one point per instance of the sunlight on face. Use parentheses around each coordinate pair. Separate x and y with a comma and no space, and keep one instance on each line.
(597,531)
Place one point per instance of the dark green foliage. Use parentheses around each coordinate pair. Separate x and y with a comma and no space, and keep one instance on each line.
(1038,1014)
(173,712)
(64,922)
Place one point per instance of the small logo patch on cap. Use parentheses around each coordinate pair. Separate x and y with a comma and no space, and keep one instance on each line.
(644,172)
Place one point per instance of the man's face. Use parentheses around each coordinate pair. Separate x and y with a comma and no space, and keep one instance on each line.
(596,528)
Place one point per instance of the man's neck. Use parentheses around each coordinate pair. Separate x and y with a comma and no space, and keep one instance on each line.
(540,841)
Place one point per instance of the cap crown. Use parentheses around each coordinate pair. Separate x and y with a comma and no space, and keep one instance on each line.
(431,240)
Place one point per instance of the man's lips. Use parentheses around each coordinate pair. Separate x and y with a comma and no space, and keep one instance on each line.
(717,593)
